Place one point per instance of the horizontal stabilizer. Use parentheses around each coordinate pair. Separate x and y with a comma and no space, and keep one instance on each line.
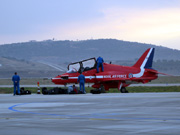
(164,74)
(156,72)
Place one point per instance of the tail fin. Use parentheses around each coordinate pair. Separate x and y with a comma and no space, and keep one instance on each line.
(145,61)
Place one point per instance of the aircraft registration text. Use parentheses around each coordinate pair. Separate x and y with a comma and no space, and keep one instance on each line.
(114,76)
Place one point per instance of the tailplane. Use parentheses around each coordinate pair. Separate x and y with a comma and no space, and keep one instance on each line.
(146,60)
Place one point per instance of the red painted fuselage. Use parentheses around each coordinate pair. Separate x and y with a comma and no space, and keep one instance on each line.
(114,76)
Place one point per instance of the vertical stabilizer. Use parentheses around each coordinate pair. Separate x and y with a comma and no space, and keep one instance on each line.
(146,60)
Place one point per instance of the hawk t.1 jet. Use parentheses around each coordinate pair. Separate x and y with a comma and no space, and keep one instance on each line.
(114,76)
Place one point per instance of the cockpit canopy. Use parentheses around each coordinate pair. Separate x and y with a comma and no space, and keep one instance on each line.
(82,66)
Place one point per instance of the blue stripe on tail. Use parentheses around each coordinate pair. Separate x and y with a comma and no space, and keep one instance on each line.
(150,60)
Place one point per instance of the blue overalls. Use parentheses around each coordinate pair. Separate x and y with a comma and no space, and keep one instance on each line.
(81,80)
(16,80)
(100,63)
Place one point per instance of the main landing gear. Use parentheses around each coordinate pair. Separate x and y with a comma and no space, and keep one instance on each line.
(123,90)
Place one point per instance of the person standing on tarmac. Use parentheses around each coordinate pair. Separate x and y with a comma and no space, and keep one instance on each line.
(100,62)
(16,80)
(81,81)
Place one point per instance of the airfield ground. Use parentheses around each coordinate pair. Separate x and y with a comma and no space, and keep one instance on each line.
(87,114)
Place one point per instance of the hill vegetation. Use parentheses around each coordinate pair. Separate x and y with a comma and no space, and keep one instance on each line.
(68,51)
(64,52)
(25,68)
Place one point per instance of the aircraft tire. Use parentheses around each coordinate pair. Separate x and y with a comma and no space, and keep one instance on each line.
(95,91)
(28,92)
(44,90)
(22,91)
(123,90)
(56,90)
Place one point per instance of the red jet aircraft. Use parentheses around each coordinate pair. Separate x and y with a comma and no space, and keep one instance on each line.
(114,76)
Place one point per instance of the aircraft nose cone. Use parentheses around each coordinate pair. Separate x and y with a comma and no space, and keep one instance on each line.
(53,80)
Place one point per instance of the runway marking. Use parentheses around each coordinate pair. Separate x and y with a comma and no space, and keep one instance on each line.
(91,116)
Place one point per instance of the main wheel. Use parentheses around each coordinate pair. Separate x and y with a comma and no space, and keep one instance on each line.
(123,90)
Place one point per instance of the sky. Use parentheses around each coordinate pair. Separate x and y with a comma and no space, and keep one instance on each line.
(146,21)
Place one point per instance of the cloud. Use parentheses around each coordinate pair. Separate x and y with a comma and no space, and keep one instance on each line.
(140,23)
(148,26)
(156,27)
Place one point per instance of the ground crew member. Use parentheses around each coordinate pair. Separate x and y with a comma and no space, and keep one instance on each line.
(75,89)
(16,80)
(81,81)
(100,62)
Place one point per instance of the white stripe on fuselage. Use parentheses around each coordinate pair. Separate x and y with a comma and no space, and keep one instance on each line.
(87,77)
(143,64)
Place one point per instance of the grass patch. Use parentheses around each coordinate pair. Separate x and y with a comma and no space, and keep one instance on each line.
(130,89)
(167,79)
(153,89)
(27,81)
(46,81)
(11,90)
(32,89)
(145,89)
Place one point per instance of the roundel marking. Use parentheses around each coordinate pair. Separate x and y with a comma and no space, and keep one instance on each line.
(130,75)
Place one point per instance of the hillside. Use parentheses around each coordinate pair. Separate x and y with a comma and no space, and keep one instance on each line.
(70,51)
(25,68)
(28,54)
